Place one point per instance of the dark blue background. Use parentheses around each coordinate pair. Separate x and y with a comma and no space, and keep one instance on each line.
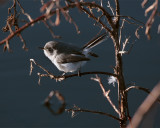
(21,97)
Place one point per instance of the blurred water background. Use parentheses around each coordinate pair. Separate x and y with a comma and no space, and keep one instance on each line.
(21,98)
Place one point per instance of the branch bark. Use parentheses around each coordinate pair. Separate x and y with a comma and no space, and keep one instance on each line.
(95,112)
(71,5)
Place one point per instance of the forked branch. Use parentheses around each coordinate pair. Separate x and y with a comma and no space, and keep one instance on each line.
(62,77)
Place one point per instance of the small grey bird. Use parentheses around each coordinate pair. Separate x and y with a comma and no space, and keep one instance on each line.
(70,58)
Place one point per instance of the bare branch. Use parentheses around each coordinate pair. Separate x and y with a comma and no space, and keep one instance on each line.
(6,46)
(60,78)
(140,88)
(144,3)
(97,20)
(28,16)
(136,32)
(137,87)
(117,13)
(31,66)
(120,33)
(150,21)
(72,5)
(23,41)
(158,29)
(70,19)
(111,8)
(124,45)
(131,18)
(50,29)
(76,109)
(106,94)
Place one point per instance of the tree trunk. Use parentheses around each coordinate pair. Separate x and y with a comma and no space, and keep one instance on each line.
(122,96)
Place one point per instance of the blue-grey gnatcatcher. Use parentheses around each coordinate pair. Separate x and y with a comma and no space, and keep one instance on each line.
(69,58)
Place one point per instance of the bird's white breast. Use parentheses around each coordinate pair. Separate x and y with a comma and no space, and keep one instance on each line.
(66,67)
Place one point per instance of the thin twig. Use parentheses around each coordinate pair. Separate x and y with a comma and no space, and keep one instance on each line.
(136,32)
(130,17)
(144,3)
(23,41)
(150,21)
(62,77)
(140,88)
(28,16)
(97,20)
(106,94)
(71,5)
(137,87)
(91,111)
(50,29)
(117,13)
(111,8)
(31,67)
(120,33)
(124,45)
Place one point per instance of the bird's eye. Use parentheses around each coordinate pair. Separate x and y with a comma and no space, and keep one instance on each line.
(50,49)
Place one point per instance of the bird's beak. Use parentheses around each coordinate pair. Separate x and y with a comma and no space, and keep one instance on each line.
(41,48)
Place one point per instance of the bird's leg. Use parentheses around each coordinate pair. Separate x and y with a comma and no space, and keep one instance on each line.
(63,73)
(79,72)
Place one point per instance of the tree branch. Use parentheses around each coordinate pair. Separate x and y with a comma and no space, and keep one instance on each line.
(42,17)
(97,20)
(76,109)
(140,88)
(117,13)
(62,77)
(106,94)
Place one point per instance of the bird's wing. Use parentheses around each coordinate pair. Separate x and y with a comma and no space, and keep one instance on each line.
(69,49)
(72,58)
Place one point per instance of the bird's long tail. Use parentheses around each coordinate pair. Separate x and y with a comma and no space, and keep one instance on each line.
(95,41)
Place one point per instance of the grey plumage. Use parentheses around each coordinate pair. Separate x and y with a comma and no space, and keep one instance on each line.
(69,58)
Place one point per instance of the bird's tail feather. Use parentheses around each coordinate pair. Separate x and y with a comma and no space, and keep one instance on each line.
(95,41)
